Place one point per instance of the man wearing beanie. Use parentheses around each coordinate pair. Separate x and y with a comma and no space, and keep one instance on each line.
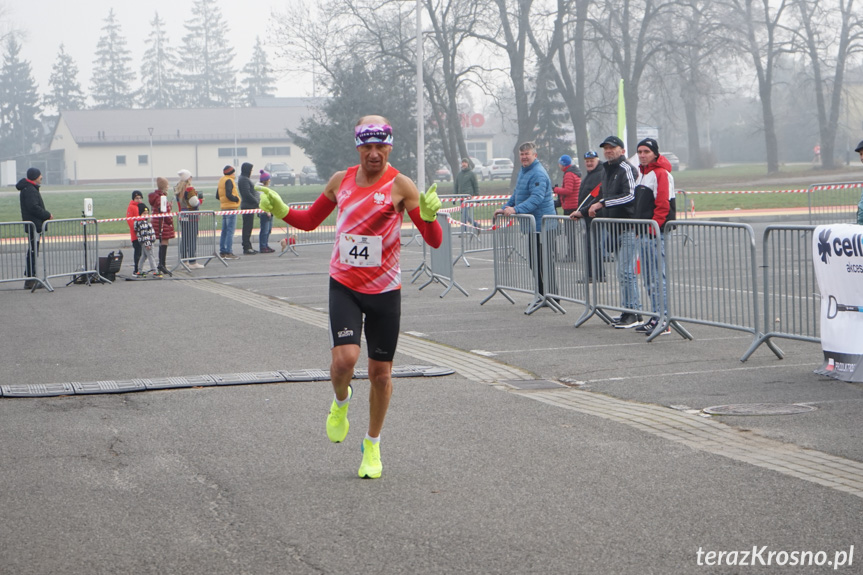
(32,210)
(567,194)
(248,201)
(654,200)
(465,180)
(229,199)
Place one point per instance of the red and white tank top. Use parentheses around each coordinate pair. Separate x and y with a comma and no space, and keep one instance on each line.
(368,235)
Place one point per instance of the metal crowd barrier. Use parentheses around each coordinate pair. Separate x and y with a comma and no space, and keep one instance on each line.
(197,238)
(71,248)
(14,247)
(423,267)
(834,203)
(441,260)
(564,258)
(712,279)
(792,306)
(324,234)
(477,217)
(683,205)
(516,260)
(627,273)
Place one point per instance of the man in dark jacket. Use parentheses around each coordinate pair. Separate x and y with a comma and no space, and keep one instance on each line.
(249,200)
(32,210)
(588,192)
(618,201)
(465,180)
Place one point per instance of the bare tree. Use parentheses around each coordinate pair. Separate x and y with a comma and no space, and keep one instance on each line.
(698,49)
(760,26)
(630,34)
(567,43)
(452,27)
(509,30)
(829,34)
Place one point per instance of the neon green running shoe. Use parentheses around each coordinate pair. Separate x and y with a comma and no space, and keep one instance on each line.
(371,466)
(337,420)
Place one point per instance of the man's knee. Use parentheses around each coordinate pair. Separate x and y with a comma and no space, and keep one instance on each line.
(380,372)
(345,357)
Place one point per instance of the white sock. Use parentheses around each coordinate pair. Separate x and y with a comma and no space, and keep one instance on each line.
(341,403)
(373,439)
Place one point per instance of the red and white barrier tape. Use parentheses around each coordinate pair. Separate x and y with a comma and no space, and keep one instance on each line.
(172,214)
(798,191)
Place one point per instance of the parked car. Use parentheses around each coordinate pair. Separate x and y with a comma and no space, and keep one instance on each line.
(281,173)
(309,175)
(477,168)
(442,174)
(500,168)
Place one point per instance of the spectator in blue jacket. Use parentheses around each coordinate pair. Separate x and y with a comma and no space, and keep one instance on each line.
(532,195)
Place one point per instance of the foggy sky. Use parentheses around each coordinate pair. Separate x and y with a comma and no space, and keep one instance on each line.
(78,25)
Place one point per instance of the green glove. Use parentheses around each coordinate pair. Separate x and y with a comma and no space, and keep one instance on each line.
(272,202)
(429,204)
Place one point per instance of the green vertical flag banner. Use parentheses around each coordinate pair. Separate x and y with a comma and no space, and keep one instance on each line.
(621,113)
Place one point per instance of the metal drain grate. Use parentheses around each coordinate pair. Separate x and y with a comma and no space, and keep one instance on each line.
(759,409)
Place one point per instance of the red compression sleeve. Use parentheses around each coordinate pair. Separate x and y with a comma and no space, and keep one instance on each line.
(310,219)
(430,231)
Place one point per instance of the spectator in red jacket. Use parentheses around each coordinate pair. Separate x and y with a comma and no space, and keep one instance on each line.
(568,196)
(132,212)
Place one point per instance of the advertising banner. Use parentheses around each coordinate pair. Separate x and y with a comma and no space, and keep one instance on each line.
(837,253)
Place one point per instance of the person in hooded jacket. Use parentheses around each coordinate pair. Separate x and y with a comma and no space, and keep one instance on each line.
(164,225)
(32,210)
(654,200)
(249,200)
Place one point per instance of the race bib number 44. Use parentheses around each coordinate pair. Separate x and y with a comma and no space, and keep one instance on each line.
(360,251)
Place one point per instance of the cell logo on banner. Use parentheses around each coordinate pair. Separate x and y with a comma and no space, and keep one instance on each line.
(837,254)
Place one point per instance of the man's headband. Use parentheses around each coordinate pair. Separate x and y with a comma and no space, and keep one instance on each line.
(374,134)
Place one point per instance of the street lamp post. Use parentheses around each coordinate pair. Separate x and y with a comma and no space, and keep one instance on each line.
(152,182)
(421,154)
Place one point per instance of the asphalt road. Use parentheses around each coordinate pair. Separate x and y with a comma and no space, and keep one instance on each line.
(599,475)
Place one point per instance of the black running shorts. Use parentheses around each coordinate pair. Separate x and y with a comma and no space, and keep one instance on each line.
(382,319)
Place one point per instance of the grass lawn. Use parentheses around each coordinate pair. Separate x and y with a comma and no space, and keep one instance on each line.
(111,200)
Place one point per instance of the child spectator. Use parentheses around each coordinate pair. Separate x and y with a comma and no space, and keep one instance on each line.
(132,212)
(146,237)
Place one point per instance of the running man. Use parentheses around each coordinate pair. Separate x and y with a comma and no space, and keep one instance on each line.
(365,276)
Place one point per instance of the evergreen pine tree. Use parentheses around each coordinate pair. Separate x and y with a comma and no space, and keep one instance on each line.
(209,78)
(64,89)
(258,79)
(112,73)
(20,128)
(551,141)
(159,75)
(361,88)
